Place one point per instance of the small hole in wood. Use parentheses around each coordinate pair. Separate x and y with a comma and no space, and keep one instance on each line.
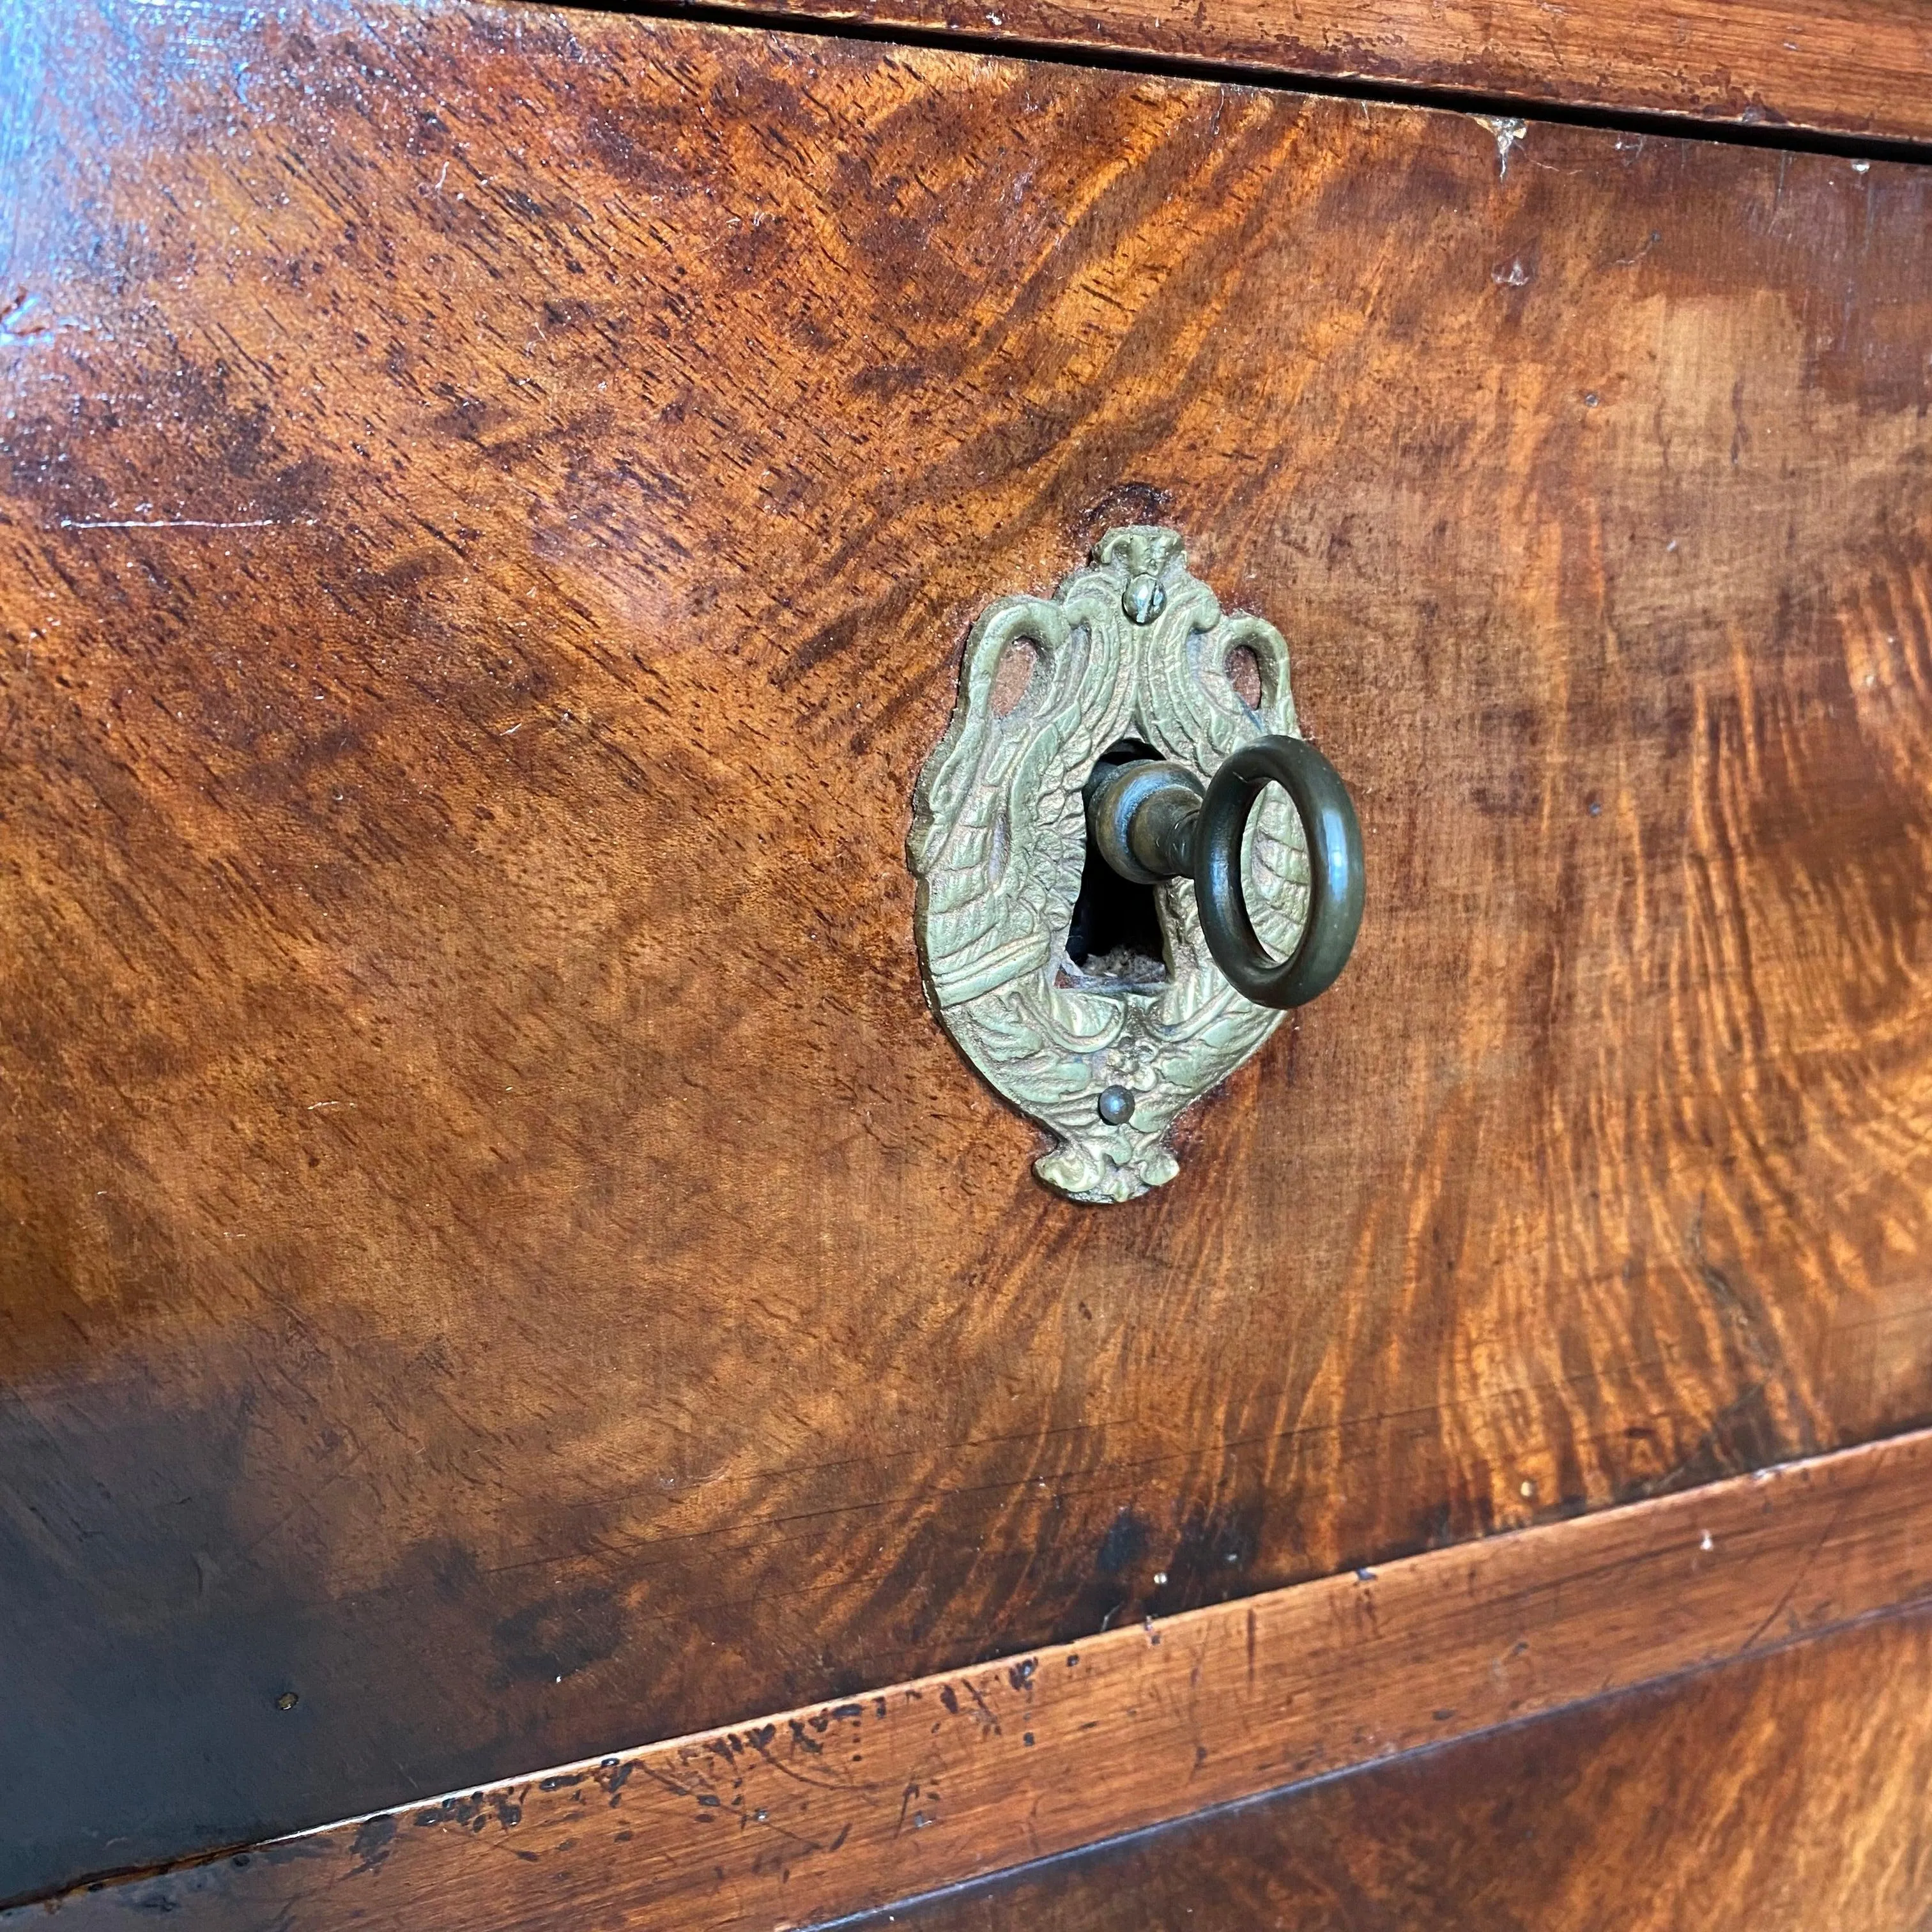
(1013,677)
(1244,674)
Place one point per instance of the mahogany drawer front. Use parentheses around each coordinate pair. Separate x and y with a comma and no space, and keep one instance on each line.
(499,1251)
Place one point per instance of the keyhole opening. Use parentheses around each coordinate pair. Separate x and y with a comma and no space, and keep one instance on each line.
(1114,941)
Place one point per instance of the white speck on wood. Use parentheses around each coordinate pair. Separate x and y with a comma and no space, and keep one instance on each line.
(177,523)
(1508,132)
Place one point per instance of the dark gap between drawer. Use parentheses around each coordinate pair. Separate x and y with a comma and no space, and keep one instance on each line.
(1655,123)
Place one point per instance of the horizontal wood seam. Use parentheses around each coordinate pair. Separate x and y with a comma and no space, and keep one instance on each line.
(839,1808)
(1681,124)
(1034,1868)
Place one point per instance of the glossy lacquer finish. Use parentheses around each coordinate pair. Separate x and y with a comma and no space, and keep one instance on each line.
(500,1261)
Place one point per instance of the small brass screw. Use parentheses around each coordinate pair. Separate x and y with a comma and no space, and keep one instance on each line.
(1143,600)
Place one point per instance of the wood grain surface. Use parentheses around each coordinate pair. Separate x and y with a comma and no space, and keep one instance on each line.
(499,1262)
(1848,67)
(1786,1794)
(808,1816)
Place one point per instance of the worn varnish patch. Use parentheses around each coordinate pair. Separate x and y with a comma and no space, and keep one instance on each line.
(495,1245)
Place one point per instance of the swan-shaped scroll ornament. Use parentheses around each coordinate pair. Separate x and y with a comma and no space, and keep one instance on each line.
(1132,649)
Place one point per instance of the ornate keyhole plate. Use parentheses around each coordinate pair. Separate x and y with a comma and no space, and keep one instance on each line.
(1132,647)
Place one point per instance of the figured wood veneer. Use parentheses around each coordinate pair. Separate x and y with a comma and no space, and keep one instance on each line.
(494,1246)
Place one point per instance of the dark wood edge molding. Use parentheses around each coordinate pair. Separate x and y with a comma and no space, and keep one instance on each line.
(1851,70)
(812,1814)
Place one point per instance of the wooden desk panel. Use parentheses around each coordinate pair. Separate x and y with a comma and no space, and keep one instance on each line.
(496,1249)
